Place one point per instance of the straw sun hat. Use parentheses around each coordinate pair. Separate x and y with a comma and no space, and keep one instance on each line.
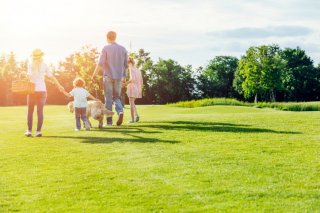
(37,53)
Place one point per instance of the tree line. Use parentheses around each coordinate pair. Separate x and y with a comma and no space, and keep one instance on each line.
(264,73)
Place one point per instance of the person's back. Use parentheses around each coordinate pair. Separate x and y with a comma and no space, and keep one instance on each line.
(80,96)
(113,60)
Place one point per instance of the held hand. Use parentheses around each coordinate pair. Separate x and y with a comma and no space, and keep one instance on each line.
(128,82)
(61,89)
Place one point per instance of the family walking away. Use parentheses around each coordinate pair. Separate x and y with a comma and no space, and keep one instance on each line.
(113,64)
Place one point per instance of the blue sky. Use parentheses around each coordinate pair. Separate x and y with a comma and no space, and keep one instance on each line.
(189,31)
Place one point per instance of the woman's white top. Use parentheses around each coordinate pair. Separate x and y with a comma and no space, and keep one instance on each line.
(38,76)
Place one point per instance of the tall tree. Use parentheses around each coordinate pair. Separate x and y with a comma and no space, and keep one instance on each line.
(261,72)
(82,64)
(237,83)
(9,72)
(3,85)
(215,80)
(171,82)
(145,64)
(300,78)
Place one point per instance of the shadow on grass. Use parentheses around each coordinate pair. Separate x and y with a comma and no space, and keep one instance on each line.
(123,130)
(129,132)
(210,127)
(108,140)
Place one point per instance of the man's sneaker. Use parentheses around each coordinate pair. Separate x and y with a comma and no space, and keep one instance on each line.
(38,134)
(28,133)
(87,126)
(131,121)
(120,119)
(137,118)
(76,129)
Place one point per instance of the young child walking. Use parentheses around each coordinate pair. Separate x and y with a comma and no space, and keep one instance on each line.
(134,89)
(80,95)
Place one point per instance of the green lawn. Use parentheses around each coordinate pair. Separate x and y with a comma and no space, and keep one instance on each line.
(207,159)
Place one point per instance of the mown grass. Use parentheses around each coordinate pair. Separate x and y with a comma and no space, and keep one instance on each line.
(286,106)
(291,106)
(210,159)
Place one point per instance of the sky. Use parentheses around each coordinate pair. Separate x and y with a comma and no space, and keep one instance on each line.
(188,31)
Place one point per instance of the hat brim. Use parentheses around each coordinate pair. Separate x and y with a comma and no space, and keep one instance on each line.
(37,55)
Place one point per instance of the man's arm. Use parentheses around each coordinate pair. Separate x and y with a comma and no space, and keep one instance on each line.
(126,60)
(125,68)
(102,60)
(97,69)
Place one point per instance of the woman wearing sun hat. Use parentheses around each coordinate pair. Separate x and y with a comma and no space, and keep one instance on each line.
(37,70)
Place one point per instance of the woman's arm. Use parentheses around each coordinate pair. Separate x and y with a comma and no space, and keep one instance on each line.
(66,93)
(56,82)
(130,77)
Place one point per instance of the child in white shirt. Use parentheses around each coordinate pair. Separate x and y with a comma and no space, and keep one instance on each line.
(80,95)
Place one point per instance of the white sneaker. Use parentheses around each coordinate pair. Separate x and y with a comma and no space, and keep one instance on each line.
(38,134)
(130,122)
(77,130)
(28,133)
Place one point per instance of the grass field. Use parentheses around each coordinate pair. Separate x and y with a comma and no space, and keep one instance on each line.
(208,159)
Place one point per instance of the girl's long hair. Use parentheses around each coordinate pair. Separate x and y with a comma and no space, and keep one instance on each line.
(36,63)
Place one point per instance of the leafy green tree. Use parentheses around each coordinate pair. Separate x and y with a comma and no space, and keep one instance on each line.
(86,61)
(260,69)
(215,80)
(299,77)
(82,64)
(171,82)
(8,72)
(3,88)
(145,64)
(237,84)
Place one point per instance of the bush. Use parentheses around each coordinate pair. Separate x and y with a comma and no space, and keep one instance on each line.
(285,106)
(210,102)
